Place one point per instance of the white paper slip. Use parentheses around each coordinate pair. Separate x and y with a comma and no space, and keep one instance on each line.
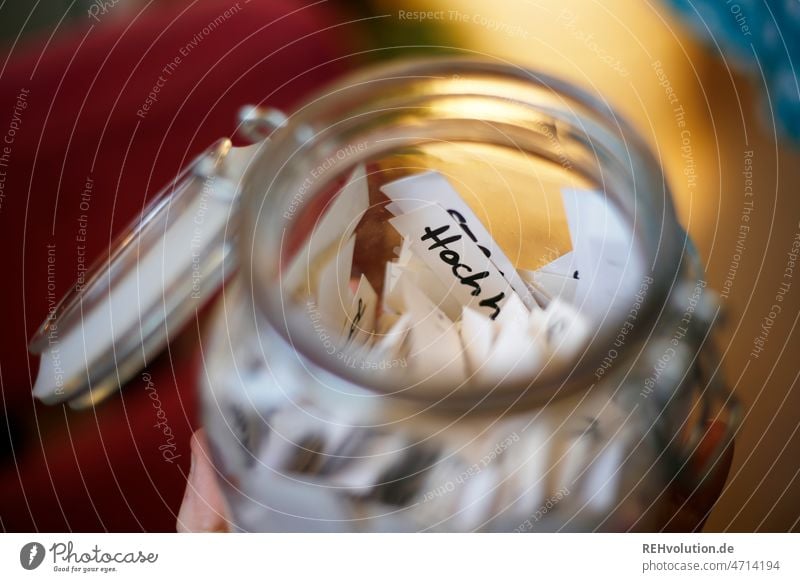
(413,192)
(567,331)
(564,266)
(333,293)
(477,336)
(609,264)
(384,322)
(505,347)
(550,285)
(619,279)
(394,269)
(558,278)
(335,226)
(404,253)
(513,313)
(391,277)
(390,339)
(417,273)
(360,321)
(358,355)
(455,259)
(516,351)
(433,342)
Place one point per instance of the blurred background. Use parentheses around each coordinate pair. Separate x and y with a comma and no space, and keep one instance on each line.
(82,67)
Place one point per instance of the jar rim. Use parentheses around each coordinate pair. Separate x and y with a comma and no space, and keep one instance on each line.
(264,225)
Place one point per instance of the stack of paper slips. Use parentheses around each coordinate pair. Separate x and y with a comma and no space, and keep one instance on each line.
(451,305)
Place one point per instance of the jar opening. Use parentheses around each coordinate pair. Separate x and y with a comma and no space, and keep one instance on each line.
(458,235)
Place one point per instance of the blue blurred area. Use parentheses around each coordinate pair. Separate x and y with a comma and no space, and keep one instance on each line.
(761,37)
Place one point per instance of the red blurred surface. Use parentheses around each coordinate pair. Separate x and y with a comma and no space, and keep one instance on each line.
(102,470)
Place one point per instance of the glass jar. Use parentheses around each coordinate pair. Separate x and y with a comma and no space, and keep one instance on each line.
(307,439)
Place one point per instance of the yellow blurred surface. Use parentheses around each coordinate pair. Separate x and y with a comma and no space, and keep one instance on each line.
(705,123)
